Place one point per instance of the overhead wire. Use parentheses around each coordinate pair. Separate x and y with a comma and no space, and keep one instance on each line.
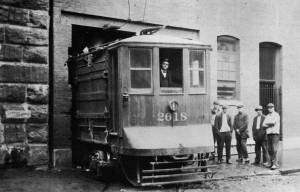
(127,21)
(128,2)
(129,14)
(145,7)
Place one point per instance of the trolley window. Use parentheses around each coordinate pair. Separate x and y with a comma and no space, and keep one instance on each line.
(197,71)
(170,70)
(140,69)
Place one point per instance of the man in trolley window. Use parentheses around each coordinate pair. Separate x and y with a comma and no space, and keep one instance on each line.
(165,75)
(223,128)
(272,125)
(240,125)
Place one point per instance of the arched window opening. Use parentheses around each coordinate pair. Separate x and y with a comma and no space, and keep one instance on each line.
(228,67)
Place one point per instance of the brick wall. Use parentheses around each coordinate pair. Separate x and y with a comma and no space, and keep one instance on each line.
(24,81)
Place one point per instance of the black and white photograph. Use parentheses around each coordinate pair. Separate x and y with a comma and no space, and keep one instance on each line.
(150,95)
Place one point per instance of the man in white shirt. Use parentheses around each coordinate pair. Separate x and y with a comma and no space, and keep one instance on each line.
(260,138)
(272,125)
(223,128)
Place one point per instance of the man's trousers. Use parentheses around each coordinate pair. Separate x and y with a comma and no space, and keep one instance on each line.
(273,144)
(241,146)
(261,146)
(224,138)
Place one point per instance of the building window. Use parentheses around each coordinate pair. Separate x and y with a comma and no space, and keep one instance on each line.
(140,68)
(228,67)
(197,70)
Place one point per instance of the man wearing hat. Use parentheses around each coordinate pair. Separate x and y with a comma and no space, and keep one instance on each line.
(223,128)
(272,126)
(214,112)
(260,137)
(240,125)
(165,75)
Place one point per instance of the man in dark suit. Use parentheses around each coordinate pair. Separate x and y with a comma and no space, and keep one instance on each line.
(260,137)
(240,125)
(165,75)
(223,128)
(214,112)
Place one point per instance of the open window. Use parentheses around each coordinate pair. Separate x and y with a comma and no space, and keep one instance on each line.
(140,70)
(197,71)
(171,80)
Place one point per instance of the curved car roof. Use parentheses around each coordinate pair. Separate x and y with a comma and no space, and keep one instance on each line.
(160,39)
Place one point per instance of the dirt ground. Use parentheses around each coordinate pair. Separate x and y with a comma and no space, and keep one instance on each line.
(26,180)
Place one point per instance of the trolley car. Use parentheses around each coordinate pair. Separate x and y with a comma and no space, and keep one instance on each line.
(123,116)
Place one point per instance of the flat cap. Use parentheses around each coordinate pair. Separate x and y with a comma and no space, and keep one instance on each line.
(270,105)
(224,107)
(166,60)
(240,106)
(216,103)
(258,108)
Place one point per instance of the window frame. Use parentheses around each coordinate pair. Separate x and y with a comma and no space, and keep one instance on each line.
(236,81)
(141,90)
(172,90)
(197,90)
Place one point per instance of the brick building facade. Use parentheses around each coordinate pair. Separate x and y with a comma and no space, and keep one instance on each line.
(24,82)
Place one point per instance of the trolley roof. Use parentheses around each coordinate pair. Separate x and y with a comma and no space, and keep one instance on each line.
(149,40)
(156,39)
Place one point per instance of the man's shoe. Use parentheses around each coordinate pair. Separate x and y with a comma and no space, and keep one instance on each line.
(247,161)
(219,161)
(255,163)
(266,164)
(228,162)
(274,167)
(240,160)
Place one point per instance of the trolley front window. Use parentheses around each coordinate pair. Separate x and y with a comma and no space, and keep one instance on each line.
(171,73)
(140,69)
(197,71)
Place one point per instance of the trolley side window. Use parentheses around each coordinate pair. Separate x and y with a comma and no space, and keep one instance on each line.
(171,73)
(140,69)
(197,71)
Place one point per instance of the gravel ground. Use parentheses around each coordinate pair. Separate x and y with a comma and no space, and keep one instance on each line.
(272,183)
(76,181)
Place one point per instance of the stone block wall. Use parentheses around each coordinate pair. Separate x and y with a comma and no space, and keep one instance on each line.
(24,78)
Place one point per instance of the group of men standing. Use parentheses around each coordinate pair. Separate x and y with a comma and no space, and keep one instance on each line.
(265,132)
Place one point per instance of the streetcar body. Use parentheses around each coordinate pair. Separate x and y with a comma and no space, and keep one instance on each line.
(121,108)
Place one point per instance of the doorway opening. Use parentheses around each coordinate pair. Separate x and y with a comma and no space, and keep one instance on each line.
(270,80)
(86,86)
(83,36)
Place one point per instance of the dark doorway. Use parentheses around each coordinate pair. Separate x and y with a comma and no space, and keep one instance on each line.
(83,36)
(270,75)
(91,38)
